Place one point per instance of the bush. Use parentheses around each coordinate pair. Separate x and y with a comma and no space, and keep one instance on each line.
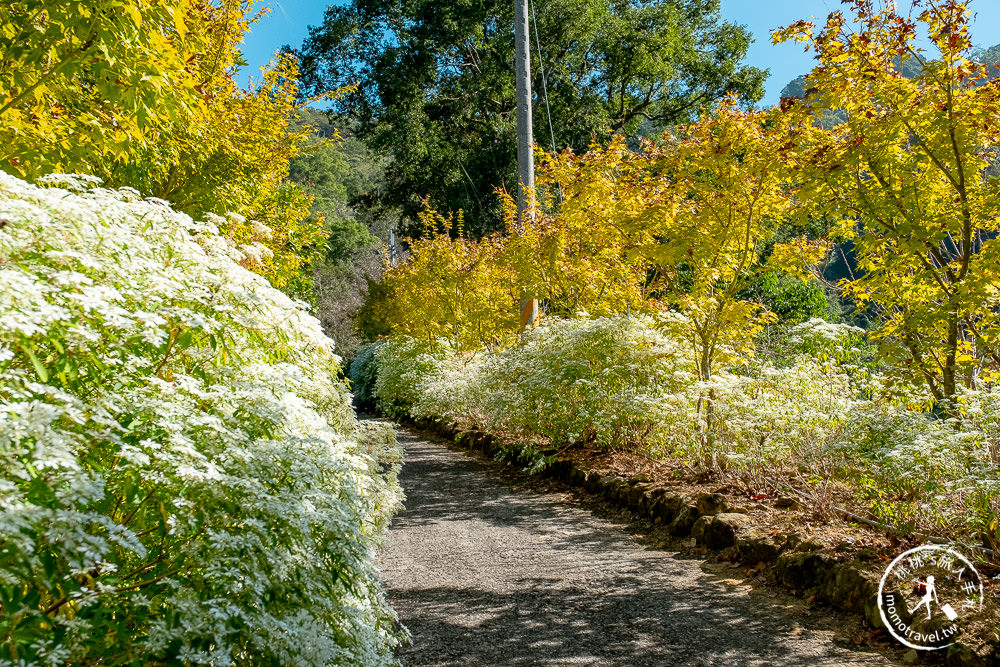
(778,415)
(605,380)
(182,478)
(818,411)
(362,373)
(404,365)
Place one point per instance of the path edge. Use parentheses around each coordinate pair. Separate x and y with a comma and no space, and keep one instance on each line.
(804,568)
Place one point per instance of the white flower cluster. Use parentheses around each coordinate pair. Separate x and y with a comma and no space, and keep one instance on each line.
(608,380)
(182,479)
(818,337)
(629,382)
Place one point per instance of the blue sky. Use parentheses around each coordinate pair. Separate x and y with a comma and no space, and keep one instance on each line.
(289,20)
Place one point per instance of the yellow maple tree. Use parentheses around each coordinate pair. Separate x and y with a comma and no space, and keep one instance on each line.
(907,177)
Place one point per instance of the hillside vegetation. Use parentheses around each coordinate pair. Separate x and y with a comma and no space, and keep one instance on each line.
(683,281)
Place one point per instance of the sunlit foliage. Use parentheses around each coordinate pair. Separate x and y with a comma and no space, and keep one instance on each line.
(182,480)
(144,95)
(906,176)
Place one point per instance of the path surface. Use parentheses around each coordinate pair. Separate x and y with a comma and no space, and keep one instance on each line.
(485,575)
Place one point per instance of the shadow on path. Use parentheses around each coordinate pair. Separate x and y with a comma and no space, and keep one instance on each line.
(484,575)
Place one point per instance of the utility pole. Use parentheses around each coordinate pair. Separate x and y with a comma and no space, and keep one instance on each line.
(525,153)
(522,66)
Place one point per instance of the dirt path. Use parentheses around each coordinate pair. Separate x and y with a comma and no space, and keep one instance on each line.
(485,575)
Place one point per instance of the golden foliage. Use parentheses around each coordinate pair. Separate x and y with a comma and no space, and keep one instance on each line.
(907,176)
(85,82)
(143,94)
(677,225)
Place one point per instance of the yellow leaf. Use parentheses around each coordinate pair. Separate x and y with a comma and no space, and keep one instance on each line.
(178,17)
(134,13)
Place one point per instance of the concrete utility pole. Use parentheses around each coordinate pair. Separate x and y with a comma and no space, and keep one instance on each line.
(522,66)
(525,154)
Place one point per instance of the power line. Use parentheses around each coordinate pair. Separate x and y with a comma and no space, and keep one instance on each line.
(541,69)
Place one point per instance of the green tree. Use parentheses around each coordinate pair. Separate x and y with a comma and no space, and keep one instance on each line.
(436,84)
(337,170)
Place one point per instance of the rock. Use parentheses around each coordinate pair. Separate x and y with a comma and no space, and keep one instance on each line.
(700,527)
(963,655)
(639,478)
(808,545)
(792,540)
(710,504)
(592,481)
(647,497)
(668,506)
(801,569)
(683,521)
(873,614)
(721,532)
(608,483)
(730,555)
(651,498)
(739,510)
(617,491)
(850,587)
(911,657)
(786,503)
(633,497)
(753,547)
(867,555)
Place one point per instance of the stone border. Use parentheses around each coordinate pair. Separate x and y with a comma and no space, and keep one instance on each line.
(805,568)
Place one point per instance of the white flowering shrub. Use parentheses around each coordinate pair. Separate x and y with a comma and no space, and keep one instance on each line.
(182,480)
(779,413)
(818,338)
(454,390)
(916,471)
(605,380)
(404,366)
(818,410)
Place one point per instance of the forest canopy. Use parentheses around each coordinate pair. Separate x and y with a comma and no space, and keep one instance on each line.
(435,86)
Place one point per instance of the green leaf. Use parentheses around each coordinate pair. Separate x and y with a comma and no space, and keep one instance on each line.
(43,373)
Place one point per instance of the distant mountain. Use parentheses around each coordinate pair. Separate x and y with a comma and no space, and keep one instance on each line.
(795,88)
(991,56)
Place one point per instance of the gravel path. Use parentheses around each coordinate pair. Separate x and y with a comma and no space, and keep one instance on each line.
(482,574)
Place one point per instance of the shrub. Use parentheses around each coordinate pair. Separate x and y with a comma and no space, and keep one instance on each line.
(362,373)
(454,391)
(818,411)
(604,380)
(404,365)
(777,415)
(182,479)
